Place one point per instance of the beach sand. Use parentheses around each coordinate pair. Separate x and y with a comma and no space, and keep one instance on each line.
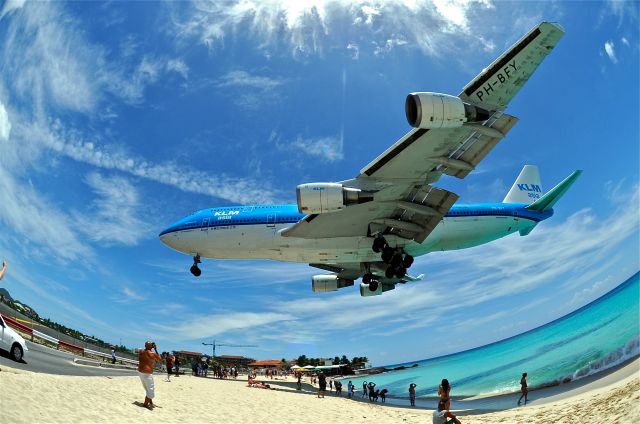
(27,397)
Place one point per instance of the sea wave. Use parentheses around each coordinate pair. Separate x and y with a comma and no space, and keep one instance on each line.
(630,350)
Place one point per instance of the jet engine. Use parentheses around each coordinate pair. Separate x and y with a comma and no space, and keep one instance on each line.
(328,197)
(373,289)
(327,283)
(435,110)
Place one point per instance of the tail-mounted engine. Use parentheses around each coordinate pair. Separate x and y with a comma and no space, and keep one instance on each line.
(328,197)
(435,110)
(327,283)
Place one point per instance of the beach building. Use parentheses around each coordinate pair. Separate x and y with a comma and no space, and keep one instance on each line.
(266,364)
(234,361)
(187,357)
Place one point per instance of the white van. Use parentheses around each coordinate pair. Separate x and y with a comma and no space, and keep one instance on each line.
(11,341)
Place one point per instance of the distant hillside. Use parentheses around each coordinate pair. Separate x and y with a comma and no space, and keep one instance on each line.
(5,293)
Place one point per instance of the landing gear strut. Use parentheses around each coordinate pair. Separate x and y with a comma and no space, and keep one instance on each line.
(194,268)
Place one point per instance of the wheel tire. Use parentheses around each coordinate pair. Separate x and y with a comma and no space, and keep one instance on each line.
(195,270)
(366,278)
(390,272)
(407,261)
(373,285)
(401,272)
(378,244)
(17,352)
(387,254)
(396,260)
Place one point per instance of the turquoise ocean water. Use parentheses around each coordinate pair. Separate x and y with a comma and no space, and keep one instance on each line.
(598,336)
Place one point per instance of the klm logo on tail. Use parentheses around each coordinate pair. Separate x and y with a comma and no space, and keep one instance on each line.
(529,187)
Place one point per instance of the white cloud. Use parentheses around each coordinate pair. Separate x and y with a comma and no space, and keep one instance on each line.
(625,41)
(5,124)
(235,189)
(241,78)
(178,66)
(130,296)
(309,27)
(38,221)
(113,216)
(11,5)
(327,148)
(610,50)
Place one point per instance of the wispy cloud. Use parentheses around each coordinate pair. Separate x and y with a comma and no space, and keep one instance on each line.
(178,66)
(113,217)
(609,49)
(309,27)
(329,149)
(235,189)
(5,124)
(130,296)
(11,5)
(240,78)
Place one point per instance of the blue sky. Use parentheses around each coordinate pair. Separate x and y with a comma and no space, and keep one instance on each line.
(117,119)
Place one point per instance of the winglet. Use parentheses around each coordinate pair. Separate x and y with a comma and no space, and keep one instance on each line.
(547,201)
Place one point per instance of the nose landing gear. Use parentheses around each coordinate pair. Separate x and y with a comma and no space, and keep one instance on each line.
(194,268)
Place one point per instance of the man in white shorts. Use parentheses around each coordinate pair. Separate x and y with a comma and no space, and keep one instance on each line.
(146,361)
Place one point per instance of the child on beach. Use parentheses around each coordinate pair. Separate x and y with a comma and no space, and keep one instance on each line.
(349,389)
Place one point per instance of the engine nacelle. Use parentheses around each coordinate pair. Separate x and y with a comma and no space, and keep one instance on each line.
(327,283)
(328,197)
(365,289)
(435,110)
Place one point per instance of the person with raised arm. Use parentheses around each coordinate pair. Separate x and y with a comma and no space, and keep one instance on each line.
(146,361)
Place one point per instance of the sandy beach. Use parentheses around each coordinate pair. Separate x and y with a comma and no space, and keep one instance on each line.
(41,398)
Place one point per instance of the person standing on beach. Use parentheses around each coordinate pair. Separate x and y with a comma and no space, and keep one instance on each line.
(169,364)
(349,389)
(3,270)
(322,384)
(523,388)
(176,363)
(146,361)
(412,394)
(364,389)
(444,390)
(113,355)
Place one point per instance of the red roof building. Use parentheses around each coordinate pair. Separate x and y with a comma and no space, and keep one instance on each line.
(267,363)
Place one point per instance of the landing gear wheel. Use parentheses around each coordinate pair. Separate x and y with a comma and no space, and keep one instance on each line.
(407,261)
(366,278)
(379,243)
(195,270)
(390,272)
(396,260)
(401,272)
(387,254)
(373,285)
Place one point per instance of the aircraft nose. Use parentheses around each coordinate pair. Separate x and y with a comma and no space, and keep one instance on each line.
(168,235)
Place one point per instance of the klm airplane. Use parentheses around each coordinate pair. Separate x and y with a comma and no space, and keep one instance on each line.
(372,226)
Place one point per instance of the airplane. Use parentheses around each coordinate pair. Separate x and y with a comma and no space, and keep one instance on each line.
(372,227)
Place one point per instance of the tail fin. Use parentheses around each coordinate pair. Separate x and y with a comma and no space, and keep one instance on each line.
(547,201)
(527,187)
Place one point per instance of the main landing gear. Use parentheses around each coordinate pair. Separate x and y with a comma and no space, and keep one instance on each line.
(194,268)
(398,262)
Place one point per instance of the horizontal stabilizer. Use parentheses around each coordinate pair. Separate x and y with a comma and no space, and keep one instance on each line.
(547,201)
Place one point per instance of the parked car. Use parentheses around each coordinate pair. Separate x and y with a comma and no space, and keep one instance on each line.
(11,341)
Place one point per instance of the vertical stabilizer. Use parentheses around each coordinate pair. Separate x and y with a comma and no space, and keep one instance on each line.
(527,188)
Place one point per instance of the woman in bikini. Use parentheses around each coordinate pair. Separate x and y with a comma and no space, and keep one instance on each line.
(444,390)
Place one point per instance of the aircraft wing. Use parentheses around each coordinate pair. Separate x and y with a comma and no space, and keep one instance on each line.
(401,179)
